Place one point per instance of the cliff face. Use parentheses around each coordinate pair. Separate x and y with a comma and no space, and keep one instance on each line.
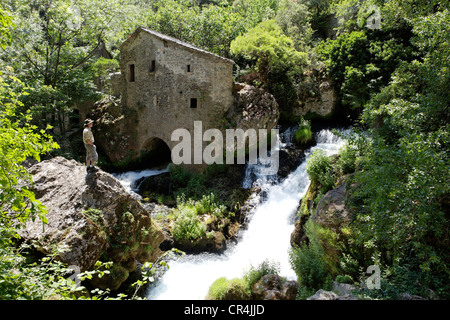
(94,218)
(253,108)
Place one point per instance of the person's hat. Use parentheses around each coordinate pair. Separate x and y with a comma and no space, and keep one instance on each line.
(87,121)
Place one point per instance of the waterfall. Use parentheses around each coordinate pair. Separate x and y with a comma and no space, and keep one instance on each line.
(128,178)
(266,238)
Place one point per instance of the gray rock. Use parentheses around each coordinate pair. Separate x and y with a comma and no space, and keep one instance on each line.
(274,287)
(93,217)
(324,295)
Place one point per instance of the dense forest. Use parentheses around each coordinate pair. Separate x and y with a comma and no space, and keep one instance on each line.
(388,61)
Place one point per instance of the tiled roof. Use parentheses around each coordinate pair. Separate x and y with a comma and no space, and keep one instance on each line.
(176,41)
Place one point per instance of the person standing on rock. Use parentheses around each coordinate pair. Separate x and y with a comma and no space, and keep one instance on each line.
(91,149)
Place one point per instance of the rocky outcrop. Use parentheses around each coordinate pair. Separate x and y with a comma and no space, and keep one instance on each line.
(340,291)
(274,287)
(317,95)
(331,211)
(289,159)
(254,108)
(94,218)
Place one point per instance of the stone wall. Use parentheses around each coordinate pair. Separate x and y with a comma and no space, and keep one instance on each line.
(170,78)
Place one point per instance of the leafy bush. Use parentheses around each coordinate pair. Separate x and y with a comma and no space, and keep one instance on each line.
(308,262)
(361,62)
(224,289)
(346,162)
(254,274)
(270,48)
(320,170)
(303,133)
(344,279)
(209,204)
(187,224)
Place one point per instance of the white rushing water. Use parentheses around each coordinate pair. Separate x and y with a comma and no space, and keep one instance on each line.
(127,178)
(266,238)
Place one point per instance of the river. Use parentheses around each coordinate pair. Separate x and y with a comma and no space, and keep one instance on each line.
(267,236)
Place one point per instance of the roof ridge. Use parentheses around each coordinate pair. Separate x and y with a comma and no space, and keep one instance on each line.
(177,41)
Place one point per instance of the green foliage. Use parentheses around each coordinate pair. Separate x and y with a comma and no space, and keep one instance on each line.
(308,262)
(5,25)
(346,163)
(294,19)
(254,274)
(320,170)
(344,279)
(209,27)
(303,133)
(43,279)
(224,289)
(402,188)
(361,63)
(18,141)
(269,47)
(255,11)
(188,224)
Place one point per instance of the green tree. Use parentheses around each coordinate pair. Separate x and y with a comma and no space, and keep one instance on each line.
(403,189)
(5,24)
(269,48)
(256,11)
(18,141)
(55,43)
(294,18)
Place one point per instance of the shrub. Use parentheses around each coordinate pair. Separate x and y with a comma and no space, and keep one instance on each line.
(319,169)
(346,161)
(187,224)
(254,274)
(209,204)
(308,262)
(303,133)
(344,279)
(224,289)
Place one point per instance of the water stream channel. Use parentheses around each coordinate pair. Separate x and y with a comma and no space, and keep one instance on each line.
(267,236)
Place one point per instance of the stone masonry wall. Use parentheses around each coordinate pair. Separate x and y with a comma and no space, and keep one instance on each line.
(167,75)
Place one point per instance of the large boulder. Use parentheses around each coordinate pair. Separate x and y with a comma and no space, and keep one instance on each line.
(331,211)
(340,291)
(274,287)
(254,108)
(94,218)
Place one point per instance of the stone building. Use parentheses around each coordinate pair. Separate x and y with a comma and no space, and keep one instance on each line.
(168,84)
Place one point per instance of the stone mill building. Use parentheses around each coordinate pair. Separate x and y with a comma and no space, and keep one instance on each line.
(164,84)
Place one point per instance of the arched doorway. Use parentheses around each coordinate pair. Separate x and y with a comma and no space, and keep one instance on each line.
(155,152)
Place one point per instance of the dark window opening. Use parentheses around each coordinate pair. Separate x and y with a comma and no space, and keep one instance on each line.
(131,69)
(193,103)
(153,67)
(188,68)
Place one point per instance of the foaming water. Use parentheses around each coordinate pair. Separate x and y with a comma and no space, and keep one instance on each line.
(127,178)
(266,238)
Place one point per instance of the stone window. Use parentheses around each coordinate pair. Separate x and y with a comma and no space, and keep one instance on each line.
(188,68)
(193,103)
(131,73)
(153,66)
